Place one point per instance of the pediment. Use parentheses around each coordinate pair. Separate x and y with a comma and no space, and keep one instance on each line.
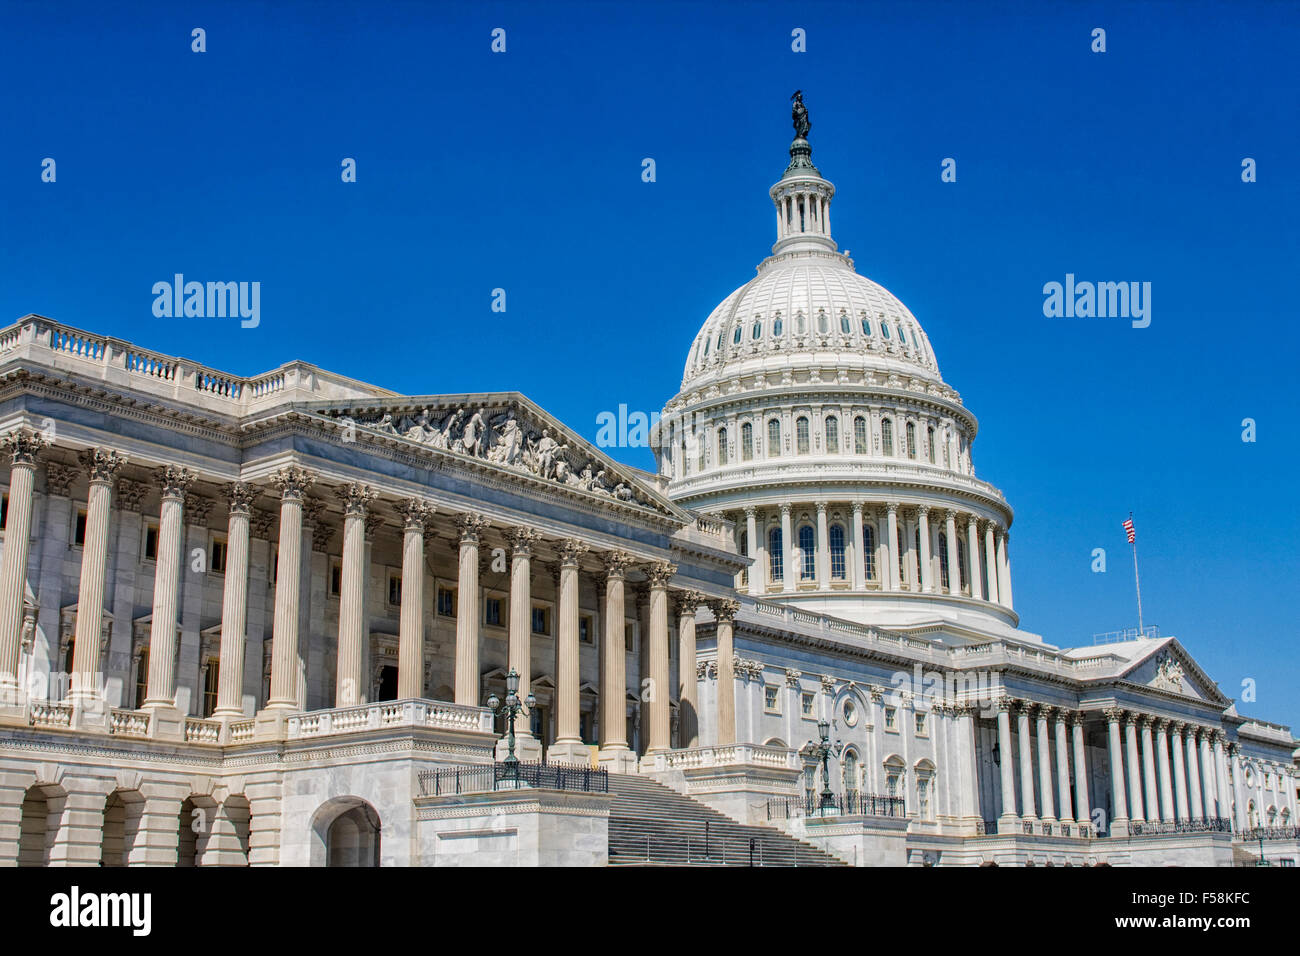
(1169,668)
(505,431)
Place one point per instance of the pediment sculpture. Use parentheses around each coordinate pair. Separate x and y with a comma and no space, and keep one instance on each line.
(1169,673)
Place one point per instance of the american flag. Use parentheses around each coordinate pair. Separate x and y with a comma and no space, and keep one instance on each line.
(1128,526)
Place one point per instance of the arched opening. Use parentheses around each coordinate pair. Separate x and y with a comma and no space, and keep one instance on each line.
(869,551)
(808,553)
(837,548)
(346,832)
(122,812)
(39,824)
(775,555)
(197,817)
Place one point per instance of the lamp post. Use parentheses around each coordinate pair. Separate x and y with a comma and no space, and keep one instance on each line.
(822,751)
(511,709)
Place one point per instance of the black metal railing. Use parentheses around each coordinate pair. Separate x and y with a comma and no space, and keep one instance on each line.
(1149,827)
(852,804)
(1255,834)
(485,778)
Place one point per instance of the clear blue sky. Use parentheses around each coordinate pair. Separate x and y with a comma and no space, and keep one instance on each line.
(522,171)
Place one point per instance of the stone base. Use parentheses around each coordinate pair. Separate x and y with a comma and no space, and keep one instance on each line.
(617,760)
(573,752)
(527,749)
(526,827)
(166,723)
(13,714)
(271,725)
(859,840)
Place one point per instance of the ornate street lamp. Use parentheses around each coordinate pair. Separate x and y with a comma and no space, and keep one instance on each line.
(822,751)
(511,709)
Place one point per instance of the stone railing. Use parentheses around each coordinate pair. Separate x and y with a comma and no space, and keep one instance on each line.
(198,731)
(754,755)
(390,715)
(241,730)
(45,713)
(128,723)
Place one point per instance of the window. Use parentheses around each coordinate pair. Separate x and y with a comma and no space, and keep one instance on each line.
(916,550)
(929,444)
(707,343)
(866,324)
(721,333)
(898,549)
(884,330)
(823,326)
(902,339)
(806,704)
(869,551)
(773,438)
(891,719)
(79,528)
(492,612)
(799,326)
(801,435)
(446,602)
(777,326)
(542,620)
(217,554)
(920,725)
(704,450)
(629,636)
(4,511)
(808,553)
(911,440)
(923,797)
(833,435)
(837,551)
(722,446)
(211,681)
(395,590)
(891,784)
(961,563)
(586,630)
(735,336)
(943,560)
(860,435)
(141,679)
(771,700)
(844,324)
(758,330)
(775,557)
(747,441)
(150,547)
(887,435)
(849,767)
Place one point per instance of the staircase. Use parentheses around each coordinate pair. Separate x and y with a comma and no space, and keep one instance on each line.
(650,824)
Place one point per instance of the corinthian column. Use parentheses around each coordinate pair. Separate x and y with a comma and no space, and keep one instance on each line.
(234,603)
(1116,749)
(954,574)
(990,562)
(1008,817)
(1004,571)
(1134,771)
(823,563)
(527,747)
(859,575)
(467,675)
(659,574)
(1180,775)
(1221,776)
(927,573)
(1026,761)
(1149,791)
(1162,768)
(973,559)
(890,578)
(688,692)
(756,569)
(568,746)
(1045,766)
(102,466)
(161,692)
(1208,788)
(292,483)
(23,446)
(349,679)
(1194,774)
(1082,809)
(416,515)
(789,572)
(725,612)
(614,752)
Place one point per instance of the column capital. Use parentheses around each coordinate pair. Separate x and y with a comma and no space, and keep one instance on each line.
(1220,737)
(891,507)
(1045,711)
(313,510)
(688,601)
(520,540)
(616,564)
(174,481)
(356,498)
(571,552)
(1146,720)
(1162,725)
(1005,705)
(950,514)
(786,508)
(923,511)
(877,693)
(1131,718)
(131,494)
(1177,727)
(660,573)
(23,446)
(101,464)
(792,677)
(470,526)
(857,507)
(292,482)
(240,494)
(1234,750)
(374,521)
(725,611)
(196,509)
(751,511)
(59,478)
(821,508)
(1077,718)
(416,514)
(1114,714)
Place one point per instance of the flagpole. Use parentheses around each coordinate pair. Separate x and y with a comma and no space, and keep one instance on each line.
(1137,581)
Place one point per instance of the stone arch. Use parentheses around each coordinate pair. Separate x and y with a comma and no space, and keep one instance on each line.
(345,832)
(231,832)
(195,820)
(41,810)
(122,812)
(775,742)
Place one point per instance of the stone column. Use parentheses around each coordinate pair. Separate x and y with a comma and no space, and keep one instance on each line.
(614,753)
(1045,766)
(823,549)
(1082,810)
(1149,770)
(1243,822)
(1062,764)
(973,559)
(1180,776)
(1221,776)
(23,446)
(349,676)
(725,614)
(789,573)
(1162,766)
(292,483)
(659,741)
(751,532)
(1194,774)
(102,466)
(927,571)
(954,573)
(1026,761)
(1208,787)
(1136,813)
(1116,750)
(890,577)
(527,747)
(161,691)
(234,602)
(859,576)
(688,692)
(467,675)
(1004,570)
(568,746)
(416,515)
(1008,817)
(990,562)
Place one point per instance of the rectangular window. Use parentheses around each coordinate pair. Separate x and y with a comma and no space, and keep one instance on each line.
(336,577)
(542,620)
(395,590)
(4,511)
(891,718)
(446,602)
(586,630)
(920,725)
(150,547)
(217,553)
(142,679)
(274,569)
(492,612)
(806,703)
(79,528)
(771,700)
(629,637)
(211,681)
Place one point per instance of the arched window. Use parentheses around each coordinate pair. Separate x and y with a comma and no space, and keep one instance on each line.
(911,440)
(849,767)
(902,339)
(884,330)
(869,551)
(929,444)
(775,555)
(800,327)
(735,336)
(961,562)
(943,560)
(721,333)
(747,441)
(758,330)
(866,324)
(686,462)
(844,324)
(860,435)
(836,538)
(887,435)
(704,450)
(902,556)
(808,553)
(777,326)
(707,344)
(823,325)
(801,435)
(744,549)
(774,438)
(722,447)
(832,435)
(915,343)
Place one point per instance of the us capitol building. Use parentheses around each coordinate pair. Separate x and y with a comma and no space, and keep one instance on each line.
(260,621)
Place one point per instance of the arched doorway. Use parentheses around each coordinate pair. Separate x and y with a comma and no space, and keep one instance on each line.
(346,832)
(40,824)
(121,824)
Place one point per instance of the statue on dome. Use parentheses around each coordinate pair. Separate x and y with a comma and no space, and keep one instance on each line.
(799,113)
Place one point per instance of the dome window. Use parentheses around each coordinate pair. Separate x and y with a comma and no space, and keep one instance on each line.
(884,330)
(808,547)
(720,335)
(774,438)
(707,343)
(758,330)
(833,435)
(722,447)
(887,435)
(869,551)
(735,336)
(902,339)
(799,326)
(836,539)
(777,326)
(915,344)
(911,440)
(776,557)
(929,444)
(866,325)
(823,325)
(860,435)
(747,442)
(844,324)
(801,435)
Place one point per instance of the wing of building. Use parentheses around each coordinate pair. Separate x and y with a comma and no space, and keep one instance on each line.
(285,620)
